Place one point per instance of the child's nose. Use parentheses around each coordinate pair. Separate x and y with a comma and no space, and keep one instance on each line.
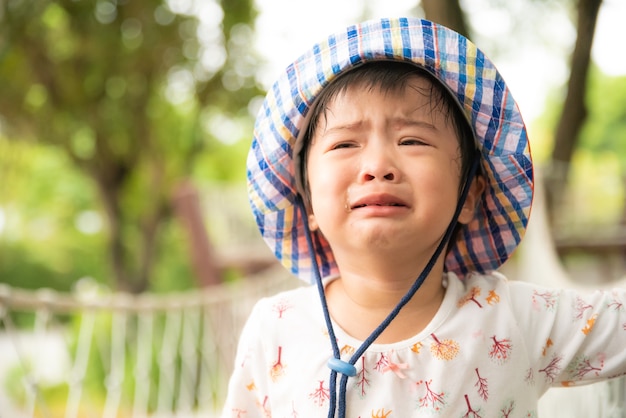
(379,164)
(389,176)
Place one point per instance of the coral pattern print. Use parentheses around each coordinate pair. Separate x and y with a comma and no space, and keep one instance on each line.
(482,386)
(428,374)
(583,365)
(500,350)
(444,349)
(362,382)
(320,395)
(546,300)
(471,413)
(432,401)
(507,410)
(281,307)
(277,370)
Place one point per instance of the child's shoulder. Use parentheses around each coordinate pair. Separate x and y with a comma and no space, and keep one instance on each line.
(493,283)
(482,280)
(293,300)
(494,278)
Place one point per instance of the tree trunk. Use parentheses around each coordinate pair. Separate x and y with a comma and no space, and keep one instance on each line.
(148,247)
(115,239)
(447,13)
(131,269)
(574,110)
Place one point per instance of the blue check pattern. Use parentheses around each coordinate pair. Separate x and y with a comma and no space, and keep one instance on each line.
(489,240)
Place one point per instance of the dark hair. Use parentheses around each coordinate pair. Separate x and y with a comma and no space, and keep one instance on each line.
(390,76)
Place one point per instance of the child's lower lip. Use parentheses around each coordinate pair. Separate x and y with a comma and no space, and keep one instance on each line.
(380,209)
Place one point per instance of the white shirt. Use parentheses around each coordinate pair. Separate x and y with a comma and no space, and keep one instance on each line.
(493,348)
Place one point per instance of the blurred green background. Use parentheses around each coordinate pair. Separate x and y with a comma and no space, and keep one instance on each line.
(121,121)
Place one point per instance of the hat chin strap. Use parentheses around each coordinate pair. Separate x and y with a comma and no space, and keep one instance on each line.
(347,368)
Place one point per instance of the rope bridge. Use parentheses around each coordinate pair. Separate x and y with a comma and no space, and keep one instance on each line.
(116,355)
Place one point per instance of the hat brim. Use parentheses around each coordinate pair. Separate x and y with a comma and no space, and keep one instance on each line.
(490,238)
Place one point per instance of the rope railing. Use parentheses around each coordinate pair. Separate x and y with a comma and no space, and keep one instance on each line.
(22,299)
(157,356)
(120,355)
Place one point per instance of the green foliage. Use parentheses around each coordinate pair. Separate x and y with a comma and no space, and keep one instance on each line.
(596,182)
(605,127)
(106,107)
(42,201)
(606,130)
(172,271)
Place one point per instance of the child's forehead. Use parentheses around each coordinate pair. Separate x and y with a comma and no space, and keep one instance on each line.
(383,80)
(414,81)
(416,94)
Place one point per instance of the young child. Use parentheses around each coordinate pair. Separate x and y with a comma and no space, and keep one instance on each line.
(390,168)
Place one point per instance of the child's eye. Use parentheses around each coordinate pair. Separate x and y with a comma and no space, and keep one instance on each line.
(412,141)
(342,145)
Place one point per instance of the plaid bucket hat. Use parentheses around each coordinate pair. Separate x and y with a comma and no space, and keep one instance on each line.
(501,218)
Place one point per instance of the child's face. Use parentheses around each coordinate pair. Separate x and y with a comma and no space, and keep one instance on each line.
(384,172)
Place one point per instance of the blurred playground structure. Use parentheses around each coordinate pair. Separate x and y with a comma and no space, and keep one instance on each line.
(95,353)
(115,355)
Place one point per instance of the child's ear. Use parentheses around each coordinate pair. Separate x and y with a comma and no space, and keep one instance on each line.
(313,226)
(473,198)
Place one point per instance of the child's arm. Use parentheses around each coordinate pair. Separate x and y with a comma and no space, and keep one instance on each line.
(577,338)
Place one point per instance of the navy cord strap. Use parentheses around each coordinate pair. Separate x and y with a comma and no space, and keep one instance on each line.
(347,369)
(329,324)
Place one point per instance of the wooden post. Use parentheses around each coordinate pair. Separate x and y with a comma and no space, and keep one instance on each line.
(202,255)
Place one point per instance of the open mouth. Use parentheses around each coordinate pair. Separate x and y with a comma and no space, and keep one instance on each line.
(378,200)
(376,204)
